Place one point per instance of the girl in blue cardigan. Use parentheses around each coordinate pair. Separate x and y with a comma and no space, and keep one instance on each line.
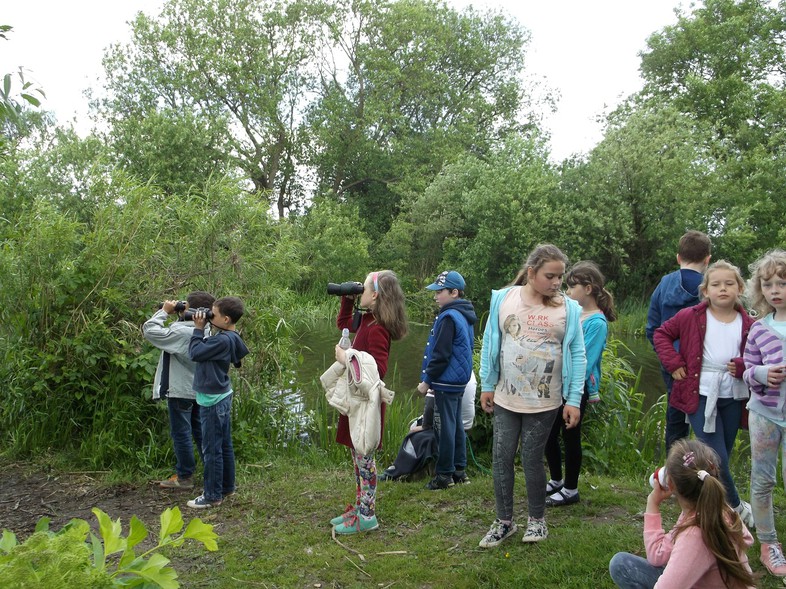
(585,286)
(532,359)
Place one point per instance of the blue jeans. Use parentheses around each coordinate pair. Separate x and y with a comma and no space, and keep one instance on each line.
(727,422)
(184,424)
(768,440)
(217,447)
(529,432)
(629,571)
(452,440)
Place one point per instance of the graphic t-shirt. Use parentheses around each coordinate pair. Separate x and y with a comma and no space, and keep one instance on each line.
(530,356)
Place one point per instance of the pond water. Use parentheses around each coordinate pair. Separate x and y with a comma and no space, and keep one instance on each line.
(317,350)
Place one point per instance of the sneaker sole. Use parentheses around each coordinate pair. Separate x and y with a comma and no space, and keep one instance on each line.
(512,531)
(532,539)
(356,531)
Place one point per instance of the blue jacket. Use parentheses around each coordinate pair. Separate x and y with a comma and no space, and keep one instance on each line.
(574,359)
(674,293)
(596,329)
(447,359)
(213,356)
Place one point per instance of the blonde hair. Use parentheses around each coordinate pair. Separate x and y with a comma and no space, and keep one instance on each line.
(693,469)
(389,309)
(722,265)
(541,255)
(770,264)
(587,273)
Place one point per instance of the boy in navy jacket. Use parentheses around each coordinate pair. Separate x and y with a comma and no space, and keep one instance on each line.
(447,368)
(213,356)
(676,291)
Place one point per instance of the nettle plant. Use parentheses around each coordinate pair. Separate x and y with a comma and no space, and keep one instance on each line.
(67,558)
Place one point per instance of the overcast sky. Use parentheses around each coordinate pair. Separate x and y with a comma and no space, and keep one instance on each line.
(586,50)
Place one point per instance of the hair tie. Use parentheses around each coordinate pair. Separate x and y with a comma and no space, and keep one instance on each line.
(687,459)
(702,474)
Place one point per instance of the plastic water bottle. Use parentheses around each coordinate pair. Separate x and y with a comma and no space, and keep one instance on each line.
(661,478)
(344,343)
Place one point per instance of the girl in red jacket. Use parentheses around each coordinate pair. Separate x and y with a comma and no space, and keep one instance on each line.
(701,347)
(385,319)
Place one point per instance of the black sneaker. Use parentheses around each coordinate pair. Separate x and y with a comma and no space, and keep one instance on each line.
(460,477)
(440,481)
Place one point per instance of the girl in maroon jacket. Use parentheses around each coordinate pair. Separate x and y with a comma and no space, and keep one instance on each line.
(701,347)
(385,319)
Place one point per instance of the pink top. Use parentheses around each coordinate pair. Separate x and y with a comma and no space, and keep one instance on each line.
(689,563)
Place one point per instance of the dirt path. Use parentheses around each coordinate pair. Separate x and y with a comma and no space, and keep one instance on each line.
(27,494)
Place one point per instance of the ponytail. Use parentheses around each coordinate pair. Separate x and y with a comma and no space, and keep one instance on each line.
(693,470)
(587,273)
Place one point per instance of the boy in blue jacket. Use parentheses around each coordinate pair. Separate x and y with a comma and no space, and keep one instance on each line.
(676,291)
(213,356)
(447,368)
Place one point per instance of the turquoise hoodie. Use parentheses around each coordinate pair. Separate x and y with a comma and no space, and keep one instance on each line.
(574,360)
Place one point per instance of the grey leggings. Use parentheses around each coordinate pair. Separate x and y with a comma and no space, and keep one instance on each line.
(532,430)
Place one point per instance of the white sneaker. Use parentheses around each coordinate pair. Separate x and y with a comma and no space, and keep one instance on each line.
(497,533)
(746,515)
(536,530)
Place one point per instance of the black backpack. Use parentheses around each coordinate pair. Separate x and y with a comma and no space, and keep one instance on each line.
(417,450)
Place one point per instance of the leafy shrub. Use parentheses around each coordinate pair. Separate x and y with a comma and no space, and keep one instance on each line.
(620,434)
(65,559)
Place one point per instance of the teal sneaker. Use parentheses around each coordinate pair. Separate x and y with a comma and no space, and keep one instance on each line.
(354,524)
(348,512)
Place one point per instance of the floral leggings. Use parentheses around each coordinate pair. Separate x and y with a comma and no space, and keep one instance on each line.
(366,477)
(768,440)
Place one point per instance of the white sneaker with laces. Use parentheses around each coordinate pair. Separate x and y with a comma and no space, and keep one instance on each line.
(536,530)
(746,515)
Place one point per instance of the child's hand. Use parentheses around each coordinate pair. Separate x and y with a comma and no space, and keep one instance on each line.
(571,415)
(657,496)
(775,376)
(423,388)
(341,355)
(200,319)
(731,367)
(487,402)
(678,374)
(169,307)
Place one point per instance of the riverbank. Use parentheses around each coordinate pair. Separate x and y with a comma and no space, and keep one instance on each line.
(274,534)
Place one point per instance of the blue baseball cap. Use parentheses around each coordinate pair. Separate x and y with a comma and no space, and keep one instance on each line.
(449,279)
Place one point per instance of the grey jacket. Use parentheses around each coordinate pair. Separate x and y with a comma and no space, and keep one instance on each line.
(172,339)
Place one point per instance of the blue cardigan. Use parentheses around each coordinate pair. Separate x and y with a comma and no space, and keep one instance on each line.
(574,359)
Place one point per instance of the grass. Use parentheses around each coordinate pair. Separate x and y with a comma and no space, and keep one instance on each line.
(274,534)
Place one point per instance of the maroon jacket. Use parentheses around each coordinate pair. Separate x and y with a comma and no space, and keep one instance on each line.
(372,338)
(690,326)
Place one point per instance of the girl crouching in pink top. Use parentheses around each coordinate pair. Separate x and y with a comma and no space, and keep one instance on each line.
(706,548)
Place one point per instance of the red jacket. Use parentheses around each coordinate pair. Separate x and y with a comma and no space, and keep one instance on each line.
(689,327)
(370,337)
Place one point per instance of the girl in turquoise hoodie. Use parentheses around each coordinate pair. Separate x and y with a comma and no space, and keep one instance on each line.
(585,284)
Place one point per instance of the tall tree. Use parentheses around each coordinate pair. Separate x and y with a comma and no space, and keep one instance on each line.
(411,85)
(236,67)
(724,64)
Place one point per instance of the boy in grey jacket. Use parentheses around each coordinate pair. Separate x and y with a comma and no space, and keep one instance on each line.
(174,381)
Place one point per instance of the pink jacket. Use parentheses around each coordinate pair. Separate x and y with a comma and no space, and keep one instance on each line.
(689,563)
(689,327)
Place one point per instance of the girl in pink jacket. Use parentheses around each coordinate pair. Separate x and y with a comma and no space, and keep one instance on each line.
(706,548)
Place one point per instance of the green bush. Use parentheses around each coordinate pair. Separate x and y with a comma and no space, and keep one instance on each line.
(65,559)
